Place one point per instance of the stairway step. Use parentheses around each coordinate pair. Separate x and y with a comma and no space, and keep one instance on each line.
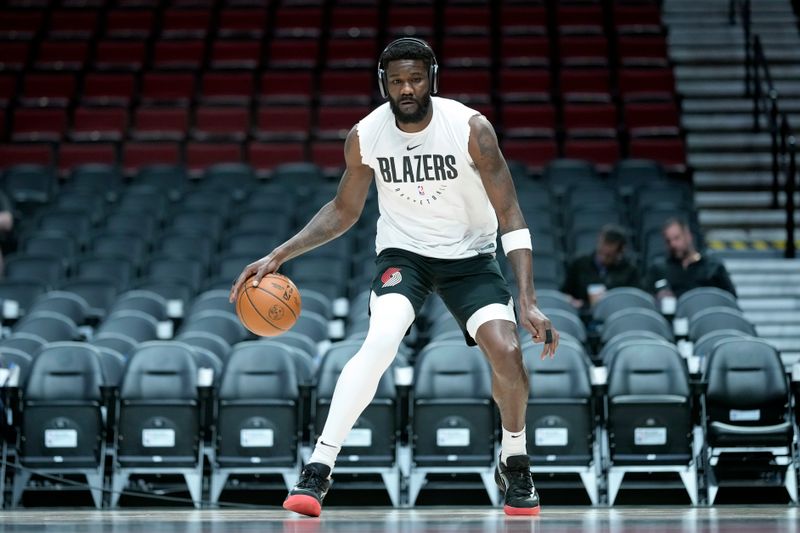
(750,218)
(740,104)
(731,88)
(777,330)
(732,72)
(766,278)
(719,122)
(734,37)
(754,305)
(774,265)
(774,317)
(762,292)
(727,142)
(738,199)
(726,56)
(732,162)
(768,236)
(739,179)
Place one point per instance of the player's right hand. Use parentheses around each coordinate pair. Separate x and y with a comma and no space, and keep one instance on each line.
(258,269)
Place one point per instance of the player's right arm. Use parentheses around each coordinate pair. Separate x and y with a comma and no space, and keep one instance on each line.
(332,220)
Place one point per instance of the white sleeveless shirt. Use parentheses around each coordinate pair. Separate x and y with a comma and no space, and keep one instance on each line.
(430,195)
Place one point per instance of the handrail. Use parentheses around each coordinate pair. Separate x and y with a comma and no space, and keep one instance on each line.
(760,86)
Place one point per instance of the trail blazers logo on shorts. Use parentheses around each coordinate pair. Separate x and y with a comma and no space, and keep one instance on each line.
(391,277)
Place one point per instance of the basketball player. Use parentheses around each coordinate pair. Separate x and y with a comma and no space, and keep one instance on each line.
(443,191)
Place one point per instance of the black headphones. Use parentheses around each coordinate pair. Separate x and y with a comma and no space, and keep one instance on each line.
(433,73)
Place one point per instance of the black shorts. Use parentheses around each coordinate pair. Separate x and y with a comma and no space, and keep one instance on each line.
(465,285)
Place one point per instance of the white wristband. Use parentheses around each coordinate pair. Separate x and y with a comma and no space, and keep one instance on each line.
(515,240)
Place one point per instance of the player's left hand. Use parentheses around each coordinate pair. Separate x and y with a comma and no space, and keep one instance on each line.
(539,326)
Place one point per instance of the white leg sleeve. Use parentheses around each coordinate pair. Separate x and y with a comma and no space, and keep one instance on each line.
(390,317)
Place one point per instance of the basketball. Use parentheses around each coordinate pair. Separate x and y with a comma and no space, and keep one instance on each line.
(271,308)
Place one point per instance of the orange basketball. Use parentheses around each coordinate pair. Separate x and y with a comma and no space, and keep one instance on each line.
(271,308)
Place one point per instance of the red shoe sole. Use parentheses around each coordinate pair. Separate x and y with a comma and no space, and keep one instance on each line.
(521,511)
(303,504)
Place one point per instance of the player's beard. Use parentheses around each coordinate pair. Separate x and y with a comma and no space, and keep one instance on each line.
(423,104)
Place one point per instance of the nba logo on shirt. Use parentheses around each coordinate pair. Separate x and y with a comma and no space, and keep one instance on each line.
(421,190)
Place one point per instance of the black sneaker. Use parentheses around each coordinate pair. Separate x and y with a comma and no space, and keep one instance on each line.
(307,495)
(515,482)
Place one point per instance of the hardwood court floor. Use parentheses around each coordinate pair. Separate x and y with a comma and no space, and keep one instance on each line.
(761,519)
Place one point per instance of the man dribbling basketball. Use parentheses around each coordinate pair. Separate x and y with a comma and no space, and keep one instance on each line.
(444,190)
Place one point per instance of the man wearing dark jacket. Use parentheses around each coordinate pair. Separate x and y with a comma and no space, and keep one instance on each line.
(685,268)
(590,275)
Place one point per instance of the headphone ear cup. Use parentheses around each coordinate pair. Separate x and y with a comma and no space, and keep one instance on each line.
(434,77)
(382,85)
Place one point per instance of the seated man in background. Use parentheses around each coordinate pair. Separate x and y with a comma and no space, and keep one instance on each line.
(685,268)
(590,276)
(6,228)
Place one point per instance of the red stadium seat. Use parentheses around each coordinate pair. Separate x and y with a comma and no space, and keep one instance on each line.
(178,54)
(236,54)
(467,20)
(588,85)
(523,20)
(99,124)
(579,19)
(524,51)
(469,86)
(243,23)
(227,87)
(534,154)
(293,53)
(590,120)
(62,55)
(671,153)
(39,124)
(2,123)
(200,156)
(411,20)
(185,23)
(646,84)
(108,89)
(345,87)
(298,22)
(73,155)
(283,123)
(649,51)
(20,24)
(139,154)
(474,51)
(588,50)
(127,23)
(645,119)
(329,156)
(14,55)
(18,154)
(119,55)
(360,21)
(160,124)
(347,53)
(336,122)
(8,88)
(603,153)
(524,85)
(527,121)
(163,87)
(286,87)
(265,156)
(221,123)
(637,19)
(48,89)
(73,23)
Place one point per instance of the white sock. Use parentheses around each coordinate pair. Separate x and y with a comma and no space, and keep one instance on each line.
(512,444)
(390,316)
(325,453)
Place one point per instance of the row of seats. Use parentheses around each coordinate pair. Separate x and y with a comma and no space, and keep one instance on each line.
(648,412)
